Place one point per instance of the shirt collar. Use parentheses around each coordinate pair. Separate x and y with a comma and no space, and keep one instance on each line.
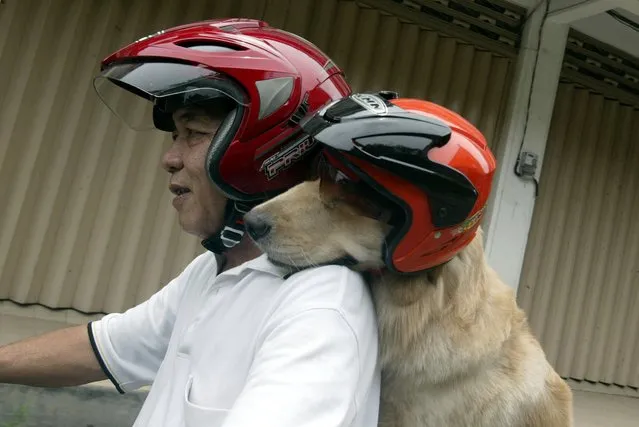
(262,264)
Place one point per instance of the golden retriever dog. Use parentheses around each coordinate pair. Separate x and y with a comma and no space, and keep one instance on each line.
(456,350)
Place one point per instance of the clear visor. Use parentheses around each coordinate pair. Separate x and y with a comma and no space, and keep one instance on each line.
(337,184)
(143,94)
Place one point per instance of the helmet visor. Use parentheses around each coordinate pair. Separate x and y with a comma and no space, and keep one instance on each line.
(340,184)
(144,94)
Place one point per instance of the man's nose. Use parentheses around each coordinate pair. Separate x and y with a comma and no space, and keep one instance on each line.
(257,225)
(172,160)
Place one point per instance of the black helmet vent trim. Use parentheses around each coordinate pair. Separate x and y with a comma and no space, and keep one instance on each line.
(301,112)
(208,46)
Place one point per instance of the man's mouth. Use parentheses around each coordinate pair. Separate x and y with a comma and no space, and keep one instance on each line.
(179,190)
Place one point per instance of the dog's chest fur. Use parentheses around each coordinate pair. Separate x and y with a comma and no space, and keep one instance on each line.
(438,357)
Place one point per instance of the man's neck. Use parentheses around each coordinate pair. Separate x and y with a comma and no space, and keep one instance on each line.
(243,252)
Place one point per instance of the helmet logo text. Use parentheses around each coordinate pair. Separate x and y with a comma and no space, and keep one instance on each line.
(469,223)
(372,103)
(282,160)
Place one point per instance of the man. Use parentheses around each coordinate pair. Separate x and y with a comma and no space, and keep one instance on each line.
(234,340)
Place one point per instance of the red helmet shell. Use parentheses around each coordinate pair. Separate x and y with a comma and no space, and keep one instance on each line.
(266,153)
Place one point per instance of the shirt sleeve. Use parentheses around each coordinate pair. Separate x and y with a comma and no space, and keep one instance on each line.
(313,369)
(130,346)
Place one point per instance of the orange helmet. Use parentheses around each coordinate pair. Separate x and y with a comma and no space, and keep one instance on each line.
(426,166)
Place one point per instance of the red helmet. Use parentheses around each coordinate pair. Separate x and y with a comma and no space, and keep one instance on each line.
(271,79)
(422,167)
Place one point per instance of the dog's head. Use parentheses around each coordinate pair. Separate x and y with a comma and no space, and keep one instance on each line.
(308,226)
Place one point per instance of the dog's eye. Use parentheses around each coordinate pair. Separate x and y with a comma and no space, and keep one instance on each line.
(366,206)
(355,195)
(336,187)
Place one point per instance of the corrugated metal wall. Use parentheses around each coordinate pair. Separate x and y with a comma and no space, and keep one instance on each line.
(85,217)
(580,280)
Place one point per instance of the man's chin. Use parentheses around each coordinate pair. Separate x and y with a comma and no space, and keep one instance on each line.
(193,227)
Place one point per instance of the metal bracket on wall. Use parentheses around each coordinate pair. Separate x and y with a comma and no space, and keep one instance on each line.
(526,168)
(527,164)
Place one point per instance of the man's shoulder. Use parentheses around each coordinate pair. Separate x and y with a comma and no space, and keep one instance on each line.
(204,264)
(332,275)
(330,287)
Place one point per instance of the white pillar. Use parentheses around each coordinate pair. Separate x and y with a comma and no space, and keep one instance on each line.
(528,121)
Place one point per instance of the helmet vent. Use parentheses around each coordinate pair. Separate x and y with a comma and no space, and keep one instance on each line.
(208,46)
(229,28)
(273,94)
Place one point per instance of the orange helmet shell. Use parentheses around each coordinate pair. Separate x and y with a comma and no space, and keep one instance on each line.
(424,246)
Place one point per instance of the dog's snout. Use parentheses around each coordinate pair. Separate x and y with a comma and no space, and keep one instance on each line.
(257,226)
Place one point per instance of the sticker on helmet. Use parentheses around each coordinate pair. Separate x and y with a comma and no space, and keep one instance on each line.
(157,33)
(372,103)
(283,159)
(469,223)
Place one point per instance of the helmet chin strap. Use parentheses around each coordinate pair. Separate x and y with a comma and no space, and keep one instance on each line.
(232,229)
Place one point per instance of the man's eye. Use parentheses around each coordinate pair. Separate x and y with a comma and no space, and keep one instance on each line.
(193,132)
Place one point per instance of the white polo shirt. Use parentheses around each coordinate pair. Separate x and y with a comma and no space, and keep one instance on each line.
(248,347)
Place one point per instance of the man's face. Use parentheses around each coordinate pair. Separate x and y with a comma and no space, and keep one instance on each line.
(200,205)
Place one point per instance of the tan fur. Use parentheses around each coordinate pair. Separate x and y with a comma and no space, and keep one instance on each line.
(456,350)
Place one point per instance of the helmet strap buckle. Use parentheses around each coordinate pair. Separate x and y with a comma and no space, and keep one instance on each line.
(232,230)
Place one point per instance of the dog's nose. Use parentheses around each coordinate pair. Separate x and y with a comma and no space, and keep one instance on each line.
(256,226)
